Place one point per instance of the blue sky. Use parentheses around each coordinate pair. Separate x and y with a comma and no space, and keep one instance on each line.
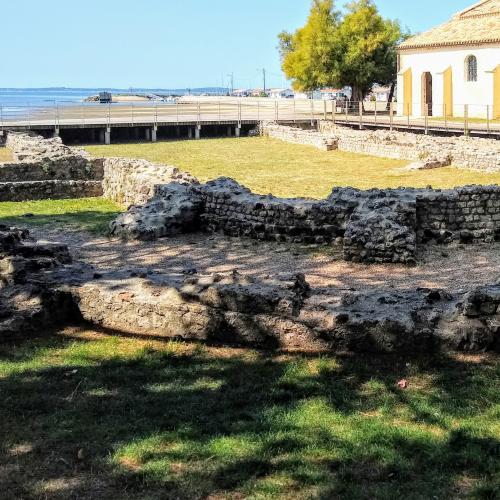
(163,43)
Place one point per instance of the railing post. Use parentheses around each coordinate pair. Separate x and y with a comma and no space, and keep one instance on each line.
(198,111)
(488,119)
(346,110)
(375,112)
(132,108)
(426,119)
(109,114)
(445,116)
(408,115)
(391,115)
(294,110)
(312,110)
(360,104)
(156,115)
(324,110)
(334,110)
(466,120)
(219,111)
(1,119)
(177,110)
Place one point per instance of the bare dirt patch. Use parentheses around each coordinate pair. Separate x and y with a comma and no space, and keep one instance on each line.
(454,268)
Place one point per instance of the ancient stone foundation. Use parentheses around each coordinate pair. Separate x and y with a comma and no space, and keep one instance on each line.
(46,168)
(370,226)
(41,288)
(30,299)
(422,150)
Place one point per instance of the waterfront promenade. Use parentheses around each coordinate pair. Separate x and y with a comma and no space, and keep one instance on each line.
(208,111)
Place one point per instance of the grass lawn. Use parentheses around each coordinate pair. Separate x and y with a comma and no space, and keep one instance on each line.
(85,214)
(5,154)
(271,166)
(87,416)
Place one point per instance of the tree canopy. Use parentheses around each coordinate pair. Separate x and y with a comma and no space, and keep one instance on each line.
(356,48)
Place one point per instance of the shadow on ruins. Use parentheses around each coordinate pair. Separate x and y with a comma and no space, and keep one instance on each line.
(276,279)
(281,308)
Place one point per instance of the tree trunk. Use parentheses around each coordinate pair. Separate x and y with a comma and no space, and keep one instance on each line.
(357,95)
(391,95)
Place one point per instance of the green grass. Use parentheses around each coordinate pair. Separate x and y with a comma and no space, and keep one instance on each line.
(84,214)
(271,166)
(5,154)
(99,417)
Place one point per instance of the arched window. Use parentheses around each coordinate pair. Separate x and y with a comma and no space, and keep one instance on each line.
(471,69)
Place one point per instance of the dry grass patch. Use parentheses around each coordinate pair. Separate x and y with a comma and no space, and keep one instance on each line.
(5,154)
(271,166)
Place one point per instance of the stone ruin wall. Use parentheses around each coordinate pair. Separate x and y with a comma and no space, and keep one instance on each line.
(39,159)
(43,288)
(428,151)
(132,182)
(46,168)
(369,226)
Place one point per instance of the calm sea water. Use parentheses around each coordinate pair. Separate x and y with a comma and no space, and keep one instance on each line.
(46,97)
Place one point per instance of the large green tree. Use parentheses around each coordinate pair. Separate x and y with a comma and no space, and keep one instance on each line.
(357,48)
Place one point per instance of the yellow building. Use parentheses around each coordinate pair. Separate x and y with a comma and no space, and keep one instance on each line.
(453,65)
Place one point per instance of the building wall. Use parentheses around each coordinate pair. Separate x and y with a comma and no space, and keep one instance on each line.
(477,95)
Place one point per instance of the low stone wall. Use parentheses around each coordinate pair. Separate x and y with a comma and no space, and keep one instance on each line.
(300,136)
(283,312)
(39,171)
(236,211)
(132,182)
(43,190)
(46,168)
(429,151)
(38,159)
(42,288)
(370,226)
(462,214)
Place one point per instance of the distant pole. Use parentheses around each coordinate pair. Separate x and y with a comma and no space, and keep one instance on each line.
(232,82)
(264,78)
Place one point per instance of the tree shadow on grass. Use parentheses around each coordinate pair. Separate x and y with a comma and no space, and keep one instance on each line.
(114,421)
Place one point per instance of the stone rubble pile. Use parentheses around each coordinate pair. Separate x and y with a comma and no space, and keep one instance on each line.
(30,300)
(382,228)
(175,209)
